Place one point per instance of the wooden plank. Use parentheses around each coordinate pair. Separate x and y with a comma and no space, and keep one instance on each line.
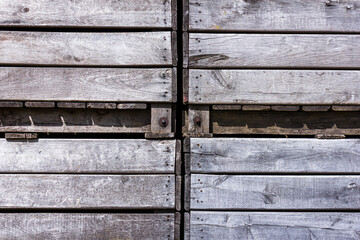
(277,15)
(199,119)
(285,123)
(40,104)
(85,48)
(86,84)
(346,108)
(274,50)
(88,156)
(161,118)
(120,14)
(83,226)
(274,225)
(316,108)
(101,105)
(132,106)
(74,121)
(6,104)
(274,192)
(71,105)
(87,191)
(274,87)
(285,108)
(226,107)
(255,108)
(274,155)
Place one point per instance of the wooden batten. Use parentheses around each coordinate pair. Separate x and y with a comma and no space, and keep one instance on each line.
(174,48)
(185,49)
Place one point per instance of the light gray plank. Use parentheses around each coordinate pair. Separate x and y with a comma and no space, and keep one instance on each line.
(274,192)
(69,48)
(274,50)
(276,15)
(88,156)
(274,225)
(241,155)
(103,13)
(87,191)
(86,226)
(274,87)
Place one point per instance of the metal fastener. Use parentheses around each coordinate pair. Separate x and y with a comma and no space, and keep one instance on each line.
(163,122)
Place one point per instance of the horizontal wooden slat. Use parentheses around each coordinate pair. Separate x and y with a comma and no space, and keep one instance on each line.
(88,155)
(69,48)
(285,123)
(271,225)
(277,15)
(274,87)
(103,13)
(86,84)
(70,120)
(274,192)
(89,226)
(274,50)
(87,191)
(239,155)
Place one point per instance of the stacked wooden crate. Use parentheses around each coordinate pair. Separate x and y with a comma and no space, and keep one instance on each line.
(265,68)
(88,67)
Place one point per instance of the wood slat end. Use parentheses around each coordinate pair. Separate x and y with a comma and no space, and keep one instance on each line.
(6,104)
(40,104)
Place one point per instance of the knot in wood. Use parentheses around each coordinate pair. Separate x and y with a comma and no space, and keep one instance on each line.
(163,122)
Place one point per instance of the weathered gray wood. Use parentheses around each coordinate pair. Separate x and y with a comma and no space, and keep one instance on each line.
(87,191)
(346,108)
(285,123)
(69,48)
(274,50)
(88,156)
(270,225)
(255,108)
(86,84)
(270,155)
(132,106)
(101,105)
(177,227)
(187,226)
(274,87)
(21,136)
(226,107)
(199,119)
(178,195)
(316,108)
(40,104)
(86,226)
(185,49)
(285,108)
(161,118)
(274,192)
(277,15)
(6,104)
(104,13)
(71,105)
(178,158)
(74,121)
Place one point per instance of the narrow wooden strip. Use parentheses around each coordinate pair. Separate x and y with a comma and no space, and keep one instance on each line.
(40,104)
(88,156)
(71,105)
(90,226)
(178,195)
(315,108)
(84,48)
(185,49)
(187,194)
(255,108)
(185,86)
(132,106)
(174,48)
(199,119)
(101,105)
(186,226)
(174,14)
(151,14)
(274,225)
(285,108)
(177,227)
(178,158)
(274,87)
(274,192)
(149,135)
(86,84)
(6,104)
(226,107)
(87,191)
(274,50)
(174,86)
(274,155)
(161,118)
(185,25)
(345,108)
(330,136)
(297,15)
(19,136)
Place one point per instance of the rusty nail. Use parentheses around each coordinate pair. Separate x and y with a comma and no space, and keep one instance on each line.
(163,122)
(197,121)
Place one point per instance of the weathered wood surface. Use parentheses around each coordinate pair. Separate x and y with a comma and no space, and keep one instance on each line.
(277,15)
(86,84)
(88,156)
(87,191)
(274,192)
(104,13)
(285,123)
(86,226)
(270,155)
(270,225)
(274,50)
(74,120)
(88,49)
(274,87)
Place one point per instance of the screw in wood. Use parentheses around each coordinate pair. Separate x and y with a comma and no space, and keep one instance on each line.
(163,122)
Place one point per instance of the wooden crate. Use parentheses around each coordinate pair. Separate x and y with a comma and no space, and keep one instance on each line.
(235,188)
(88,174)
(271,56)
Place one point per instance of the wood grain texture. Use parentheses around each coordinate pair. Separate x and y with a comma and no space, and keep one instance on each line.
(87,191)
(274,192)
(270,155)
(277,15)
(88,156)
(285,123)
(86,49)
(86,226)
(270,225)
(274,50)
(74,120)
(274,87)
(103,13)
